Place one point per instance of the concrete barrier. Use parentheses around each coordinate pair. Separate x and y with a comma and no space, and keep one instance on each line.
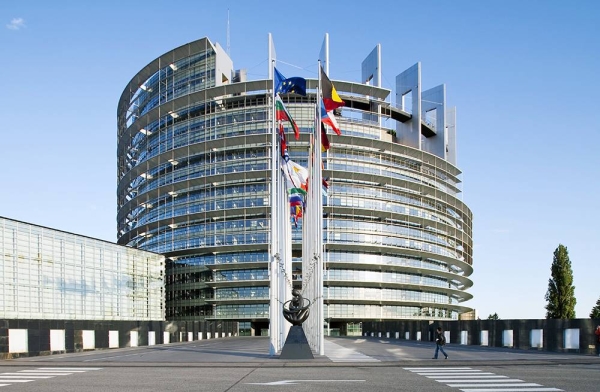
(27,338)
(573,335)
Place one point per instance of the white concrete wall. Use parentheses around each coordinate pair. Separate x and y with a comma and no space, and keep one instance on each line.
(113,339)
(57,340)
(18,341)
(89,339)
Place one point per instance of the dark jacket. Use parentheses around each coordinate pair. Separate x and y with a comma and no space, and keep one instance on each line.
(439,338)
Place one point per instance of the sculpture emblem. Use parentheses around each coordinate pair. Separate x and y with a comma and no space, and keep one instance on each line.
(296,312)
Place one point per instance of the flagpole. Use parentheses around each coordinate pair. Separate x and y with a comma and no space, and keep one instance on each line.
(274,265)
(319,219)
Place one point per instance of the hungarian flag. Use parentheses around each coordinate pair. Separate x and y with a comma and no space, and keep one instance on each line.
(330,96)
(281,114)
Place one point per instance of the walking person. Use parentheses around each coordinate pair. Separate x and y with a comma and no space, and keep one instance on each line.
(597,333)
(440,341)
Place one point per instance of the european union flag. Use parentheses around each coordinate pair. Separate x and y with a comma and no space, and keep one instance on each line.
(283,85)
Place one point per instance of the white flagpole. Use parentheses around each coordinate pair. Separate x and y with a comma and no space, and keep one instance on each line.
(319,221)
(274,262)
(312,249)
(285,261)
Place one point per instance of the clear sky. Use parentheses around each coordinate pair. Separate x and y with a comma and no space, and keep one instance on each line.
(524,76)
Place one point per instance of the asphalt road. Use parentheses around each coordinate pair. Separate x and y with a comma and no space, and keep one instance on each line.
(243,364)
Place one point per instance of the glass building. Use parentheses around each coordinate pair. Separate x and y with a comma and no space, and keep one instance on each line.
(194,168)
(47,274)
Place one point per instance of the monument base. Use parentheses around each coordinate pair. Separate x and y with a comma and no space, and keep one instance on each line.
(296,346)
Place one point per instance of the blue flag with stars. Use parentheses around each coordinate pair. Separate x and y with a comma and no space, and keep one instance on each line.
(283,85)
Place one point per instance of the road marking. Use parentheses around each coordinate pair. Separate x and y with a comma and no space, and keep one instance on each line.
(495,376)
(115,356)
(474,380)
(441,374)
(337,353)
(512,390)
(471,381)
(40,373)
(60,356)
(294,382)
(414,369)
(447,371)
(44,373)
(81,369)
(48,371)
(525,384)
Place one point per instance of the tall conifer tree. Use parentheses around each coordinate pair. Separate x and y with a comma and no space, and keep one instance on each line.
(595,313)
(561,292)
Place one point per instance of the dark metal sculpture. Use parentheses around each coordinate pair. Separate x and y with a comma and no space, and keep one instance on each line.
(296,312)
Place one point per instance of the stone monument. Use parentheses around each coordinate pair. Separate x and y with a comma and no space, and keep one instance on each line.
(297,311)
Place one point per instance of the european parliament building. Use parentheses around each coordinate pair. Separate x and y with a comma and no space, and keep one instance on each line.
(194,170)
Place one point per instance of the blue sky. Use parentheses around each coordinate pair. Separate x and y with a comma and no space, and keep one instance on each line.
(524,76)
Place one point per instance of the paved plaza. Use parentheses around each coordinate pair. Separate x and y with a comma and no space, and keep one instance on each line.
(359,351)
(243,364)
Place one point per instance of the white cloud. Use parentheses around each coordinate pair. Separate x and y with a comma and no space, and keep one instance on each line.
(16,24)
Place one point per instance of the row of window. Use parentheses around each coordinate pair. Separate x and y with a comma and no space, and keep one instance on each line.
(331,292)
(242,293)
(396,260)
(189,311)
(384,277)
(202,172)
(378,294)
(227,258)
(233,275)
(196,130)
(340,311)
(328,275)
(168,242)
(386,312)
(202,121)
(187,166)
(191,197)
(196,79)
(341,225)
(194,237)
(380,239)
(94,280)
(27,302)
(160,80)
(330,257)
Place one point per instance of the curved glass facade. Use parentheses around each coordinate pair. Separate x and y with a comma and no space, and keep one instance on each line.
(194,148)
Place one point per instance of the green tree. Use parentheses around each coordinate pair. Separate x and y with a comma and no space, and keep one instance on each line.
(561,292)
(595,313)
(493,317)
